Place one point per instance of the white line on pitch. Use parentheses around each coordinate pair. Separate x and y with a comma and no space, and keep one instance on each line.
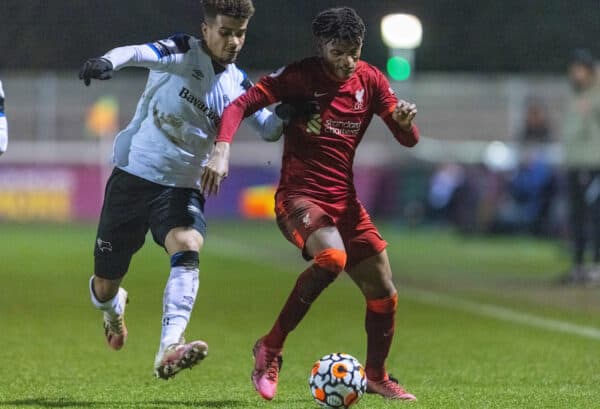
(247,250)
(500,313)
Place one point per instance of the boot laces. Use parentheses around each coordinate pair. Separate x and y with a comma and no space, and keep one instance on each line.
(115,324)
(392,384)
(272,362)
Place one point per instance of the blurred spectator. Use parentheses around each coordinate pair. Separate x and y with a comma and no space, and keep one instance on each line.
(444,191)
(526,208)
(582,161)
(536,127)
(512,192)
(466,196)
(531,187)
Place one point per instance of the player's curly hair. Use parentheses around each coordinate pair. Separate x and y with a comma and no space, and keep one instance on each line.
(230,8)
(342,23)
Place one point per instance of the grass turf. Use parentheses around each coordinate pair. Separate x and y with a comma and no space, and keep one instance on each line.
(54,354)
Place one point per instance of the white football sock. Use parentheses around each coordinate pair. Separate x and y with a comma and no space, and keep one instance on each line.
(113,306)
(178,302)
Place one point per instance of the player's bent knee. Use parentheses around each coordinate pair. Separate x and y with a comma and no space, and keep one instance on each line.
(383,305)
(328,265)
(184,240)
(191,242)
(331,259)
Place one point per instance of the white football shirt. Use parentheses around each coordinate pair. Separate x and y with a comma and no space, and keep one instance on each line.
(172,133)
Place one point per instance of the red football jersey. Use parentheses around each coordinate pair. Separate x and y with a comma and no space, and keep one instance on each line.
(319,151)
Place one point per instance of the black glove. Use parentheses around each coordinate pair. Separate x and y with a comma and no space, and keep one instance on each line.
(289,111)
(97,68)
(285,112)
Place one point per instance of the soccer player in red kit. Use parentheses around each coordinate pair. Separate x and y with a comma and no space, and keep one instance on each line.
(316,204)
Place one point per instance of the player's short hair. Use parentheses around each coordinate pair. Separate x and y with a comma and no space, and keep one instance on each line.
(584,57)
(230,8)
(342,23)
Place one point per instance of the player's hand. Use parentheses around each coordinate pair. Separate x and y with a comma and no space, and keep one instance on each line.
(296,110)
(285,112)
(404,114)
(97,68)
(215,170)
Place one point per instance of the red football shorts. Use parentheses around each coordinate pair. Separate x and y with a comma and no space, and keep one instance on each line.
(299,216)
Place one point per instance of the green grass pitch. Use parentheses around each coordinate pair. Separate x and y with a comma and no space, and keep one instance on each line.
(480,323)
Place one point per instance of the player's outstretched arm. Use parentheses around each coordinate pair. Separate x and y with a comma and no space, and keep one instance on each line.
(160,55)
(217,167)
(400,122)
(102,68)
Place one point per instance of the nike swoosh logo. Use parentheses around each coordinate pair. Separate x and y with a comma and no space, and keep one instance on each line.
(319,94)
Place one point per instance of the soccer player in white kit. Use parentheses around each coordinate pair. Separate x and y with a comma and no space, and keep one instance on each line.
(3,126)
(158,161)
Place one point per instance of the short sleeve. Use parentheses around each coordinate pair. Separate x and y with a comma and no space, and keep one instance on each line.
(385,99)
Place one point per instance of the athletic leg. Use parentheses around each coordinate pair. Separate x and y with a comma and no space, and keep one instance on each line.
(329,259)
(369,267)
(374,278)
(121,232)
(183,209)
(311,229)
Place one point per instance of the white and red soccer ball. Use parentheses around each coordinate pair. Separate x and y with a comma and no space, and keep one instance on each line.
(337,381)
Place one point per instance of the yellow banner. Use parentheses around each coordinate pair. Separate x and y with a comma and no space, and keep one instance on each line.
(26,205)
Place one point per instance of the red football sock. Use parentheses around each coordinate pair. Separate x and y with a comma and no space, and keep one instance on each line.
(328,265)
(308,287)
(379,323)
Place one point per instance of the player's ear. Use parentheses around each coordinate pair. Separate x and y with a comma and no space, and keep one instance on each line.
(320,46)
(359,48)
(204,28)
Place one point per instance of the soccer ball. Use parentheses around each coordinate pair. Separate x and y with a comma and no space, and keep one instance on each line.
(337,381)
